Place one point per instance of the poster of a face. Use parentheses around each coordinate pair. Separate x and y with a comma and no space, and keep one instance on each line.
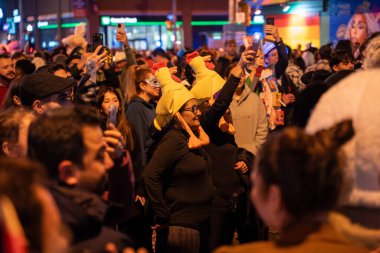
(353,20)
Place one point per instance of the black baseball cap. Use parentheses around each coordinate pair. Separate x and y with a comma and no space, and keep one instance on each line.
(42,85)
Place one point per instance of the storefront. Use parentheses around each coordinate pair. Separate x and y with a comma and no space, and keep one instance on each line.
(143,33)
(48,29)
(148,33)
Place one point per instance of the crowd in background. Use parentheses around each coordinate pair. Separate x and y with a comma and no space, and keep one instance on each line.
(190,150)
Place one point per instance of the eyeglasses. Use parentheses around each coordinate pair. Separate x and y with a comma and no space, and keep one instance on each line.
(192,109)
(153,82)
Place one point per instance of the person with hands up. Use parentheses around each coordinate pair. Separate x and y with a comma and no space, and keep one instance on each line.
(271,33)
(177,178)
(130,59)
(87,87)
(275,87)
(215,95)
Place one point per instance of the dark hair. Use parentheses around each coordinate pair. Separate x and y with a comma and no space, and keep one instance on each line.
(43,69)
(57,135)
(72,57)
(13,90)
(299,61)
(344,45)
(18,55)
(40,54)
(325,52)
(184,69)
(159,52)
(17,182)
(307,168)
(10,121)
(123,124)
(51,68)
(26,66)
(339,56)
(4,56)
(57,66)
(135,75)
(227,42)
(229,69)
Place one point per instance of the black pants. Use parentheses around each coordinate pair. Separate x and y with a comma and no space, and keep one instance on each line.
(244,220)
(138,228)
(176,239)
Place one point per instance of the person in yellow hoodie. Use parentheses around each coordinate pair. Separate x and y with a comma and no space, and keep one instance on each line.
(177,178)
(231,164)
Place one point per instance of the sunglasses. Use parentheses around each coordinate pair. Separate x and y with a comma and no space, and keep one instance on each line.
(153,82)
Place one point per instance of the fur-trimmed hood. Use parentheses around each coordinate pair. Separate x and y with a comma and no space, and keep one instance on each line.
(354,232)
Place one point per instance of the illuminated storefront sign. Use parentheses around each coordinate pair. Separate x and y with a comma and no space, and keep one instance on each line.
(46,25)
(133,21)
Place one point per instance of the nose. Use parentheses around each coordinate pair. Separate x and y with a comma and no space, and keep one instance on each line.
(198,112)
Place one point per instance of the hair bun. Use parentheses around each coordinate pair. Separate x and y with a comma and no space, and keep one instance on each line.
(337,135)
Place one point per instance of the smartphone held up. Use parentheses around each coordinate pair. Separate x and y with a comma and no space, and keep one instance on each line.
(268,35)
(253,43)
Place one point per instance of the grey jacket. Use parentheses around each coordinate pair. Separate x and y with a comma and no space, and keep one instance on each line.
(250,121)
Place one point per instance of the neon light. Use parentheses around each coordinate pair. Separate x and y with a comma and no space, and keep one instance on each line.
(105,20)
(286,8)
(258,19)
(42,23)
(208,23)
(17,19)
(123,20)
(45,25)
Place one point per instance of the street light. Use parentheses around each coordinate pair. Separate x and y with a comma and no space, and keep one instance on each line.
(257,11)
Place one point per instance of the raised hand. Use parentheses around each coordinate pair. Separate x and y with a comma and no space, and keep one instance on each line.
(95,61)
(121,35)
(114,141)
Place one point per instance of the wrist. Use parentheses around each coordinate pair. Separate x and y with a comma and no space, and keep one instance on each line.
(236,71)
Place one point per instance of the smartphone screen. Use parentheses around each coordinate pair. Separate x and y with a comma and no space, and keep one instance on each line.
(269,21)
(97,40)
(257,41)
(253,42)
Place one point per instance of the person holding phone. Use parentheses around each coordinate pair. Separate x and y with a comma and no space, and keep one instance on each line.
(130,58)
(276,89)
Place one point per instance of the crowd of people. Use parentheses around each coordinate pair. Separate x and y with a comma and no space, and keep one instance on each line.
(192,150)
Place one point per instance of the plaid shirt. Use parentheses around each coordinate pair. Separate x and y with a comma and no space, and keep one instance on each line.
(321,64)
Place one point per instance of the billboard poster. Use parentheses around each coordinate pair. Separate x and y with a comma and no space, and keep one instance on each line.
(353,20)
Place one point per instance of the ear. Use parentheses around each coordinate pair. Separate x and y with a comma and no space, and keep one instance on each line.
(68,172)
(17,100)
(335,68)
(9,149)
(142,86)
(38,106)
(274,196)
